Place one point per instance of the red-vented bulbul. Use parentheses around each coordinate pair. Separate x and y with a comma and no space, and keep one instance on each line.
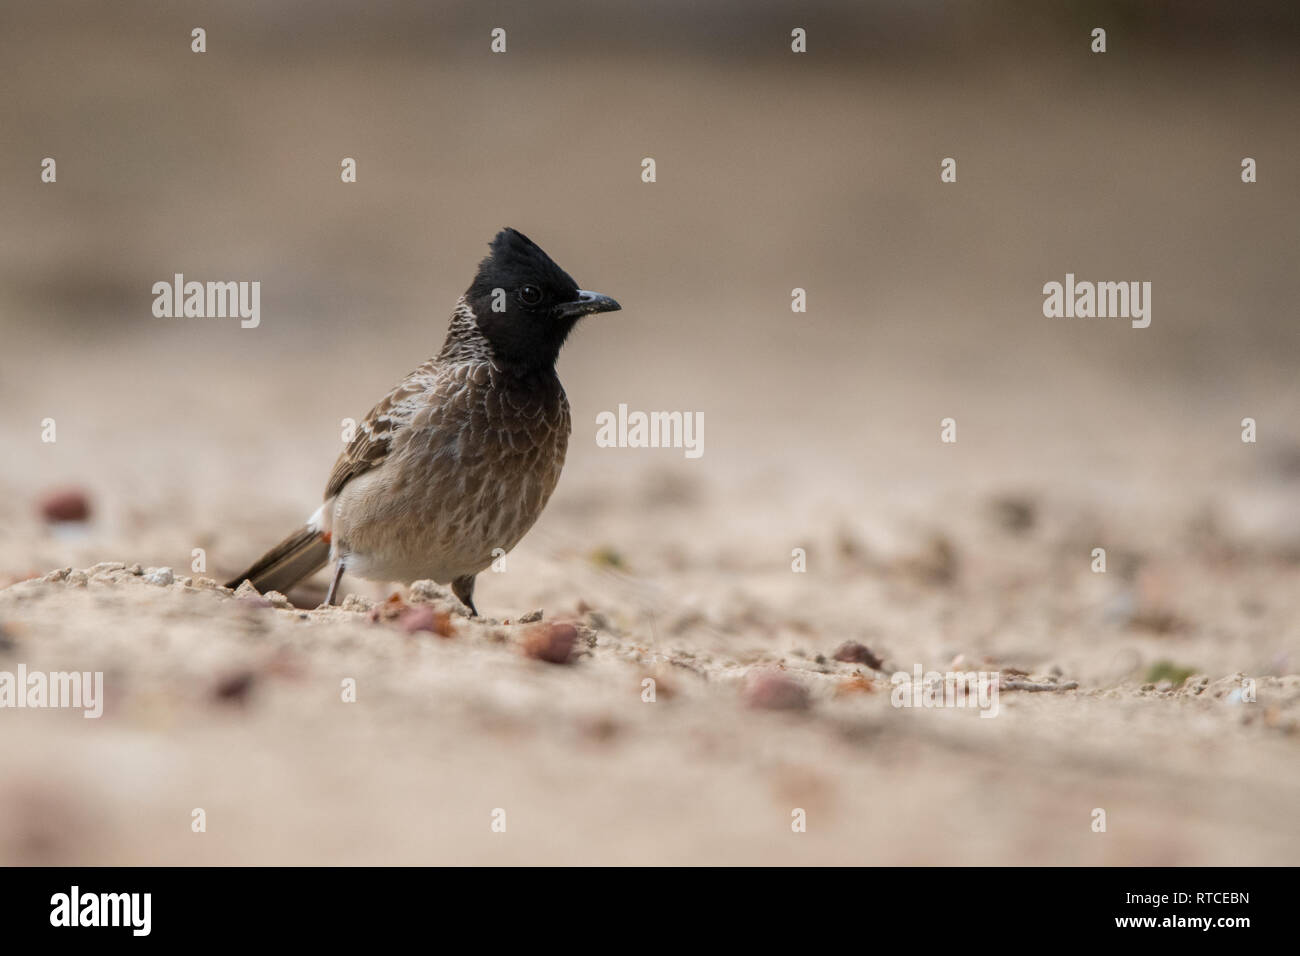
(460,458)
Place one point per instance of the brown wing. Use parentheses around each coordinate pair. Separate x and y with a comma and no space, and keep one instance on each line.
(374,437)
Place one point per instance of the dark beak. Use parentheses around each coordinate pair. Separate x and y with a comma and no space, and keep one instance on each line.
(587,303)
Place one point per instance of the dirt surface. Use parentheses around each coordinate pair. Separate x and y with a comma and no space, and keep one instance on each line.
(822,434)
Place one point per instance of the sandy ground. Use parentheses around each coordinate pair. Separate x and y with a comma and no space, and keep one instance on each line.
(822,433)
(220,703)
(235,707)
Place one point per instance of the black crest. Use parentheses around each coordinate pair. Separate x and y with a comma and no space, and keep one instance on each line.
(516,260)
(519,298)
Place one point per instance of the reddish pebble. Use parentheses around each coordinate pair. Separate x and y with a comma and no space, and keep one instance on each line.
(424,618)
(234,688)
(390,610)
(855,653)
(65,504)
(553,643)
(855,685)
(775,691)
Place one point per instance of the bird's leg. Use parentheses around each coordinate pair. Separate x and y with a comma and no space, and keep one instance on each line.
(463,588)
(334,585)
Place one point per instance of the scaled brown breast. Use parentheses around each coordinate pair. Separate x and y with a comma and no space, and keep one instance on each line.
(468,423)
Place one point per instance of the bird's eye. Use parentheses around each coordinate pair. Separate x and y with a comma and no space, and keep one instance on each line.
(530,295)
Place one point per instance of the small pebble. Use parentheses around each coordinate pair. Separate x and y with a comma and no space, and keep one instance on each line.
(276,599)
(553,643)
(532,617)
(160,576)
(855,685)
(770,690)
(1015,513)
(425,618)
(234,688)
(245,589)
(601,729)
(853,652)
(65,504)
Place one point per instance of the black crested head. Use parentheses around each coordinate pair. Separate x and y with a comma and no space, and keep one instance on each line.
(526,305)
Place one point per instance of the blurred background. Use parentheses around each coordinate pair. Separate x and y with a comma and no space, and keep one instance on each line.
(775,170)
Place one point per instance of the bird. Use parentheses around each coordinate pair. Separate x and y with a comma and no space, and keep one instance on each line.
(454,465)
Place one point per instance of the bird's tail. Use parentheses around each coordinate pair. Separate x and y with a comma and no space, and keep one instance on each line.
(298,556)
